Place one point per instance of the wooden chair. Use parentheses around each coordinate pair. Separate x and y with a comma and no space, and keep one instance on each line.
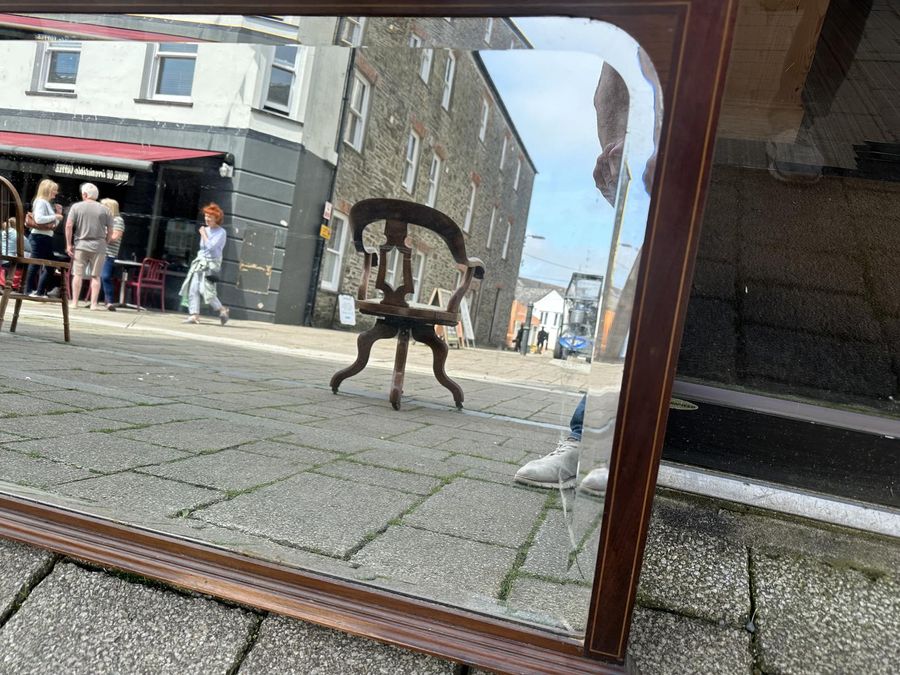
(11,207)
(152,276)
(396,316)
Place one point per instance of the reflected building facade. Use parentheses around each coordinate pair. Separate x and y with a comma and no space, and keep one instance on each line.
(272,130)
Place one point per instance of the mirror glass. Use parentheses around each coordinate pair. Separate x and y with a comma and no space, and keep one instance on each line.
(228,153)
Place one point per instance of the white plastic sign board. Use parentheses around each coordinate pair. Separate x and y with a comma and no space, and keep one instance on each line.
(347,310)
(468,331)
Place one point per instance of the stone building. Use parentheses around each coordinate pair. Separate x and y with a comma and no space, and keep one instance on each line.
(427,124)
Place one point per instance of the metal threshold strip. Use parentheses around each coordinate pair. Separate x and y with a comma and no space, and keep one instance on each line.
(872,518)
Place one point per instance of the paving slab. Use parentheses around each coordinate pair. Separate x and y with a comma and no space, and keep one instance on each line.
(49,426)
(23,469)
(13,405)
(20,568)
(80,399)
(550,555)
(813,617)
(290,452)
(404,481)
(373,425)
(97,451)
(558,605)
(138,498)
(312,512)
(200,435)
(287,647)
(426,461)
(485,512)
(694,572)
(437,565)
(228,470)
(154,414)
(81,621)
(661,643)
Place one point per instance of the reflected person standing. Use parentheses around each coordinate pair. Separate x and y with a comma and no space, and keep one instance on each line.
(87,229)
(203,274)
(112,252)
(46,217)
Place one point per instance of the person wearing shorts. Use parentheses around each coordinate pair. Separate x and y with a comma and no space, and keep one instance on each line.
(88,228)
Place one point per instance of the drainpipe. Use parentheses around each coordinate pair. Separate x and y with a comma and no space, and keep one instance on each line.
(310,308)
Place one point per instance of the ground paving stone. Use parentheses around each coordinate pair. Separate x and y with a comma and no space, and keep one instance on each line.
(200,435)
(97,451)
(80,621)
(311,511)
(21,469)
(20,567)
(377,425)
(324,439)
(375,475)
(661,643)
(436,565)
(418,460)
(153,414)
(48,426)
(694,572)
(228,470)
(12,405)
(551,552)
(553,604)
(80,399)
(283,415)
(812,617)
(480,511)
(489,469)
(287,646)
(290,452)
(138,498)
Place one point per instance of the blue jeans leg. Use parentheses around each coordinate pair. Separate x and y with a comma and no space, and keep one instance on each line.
(41,247)
(576,424)
(106,278)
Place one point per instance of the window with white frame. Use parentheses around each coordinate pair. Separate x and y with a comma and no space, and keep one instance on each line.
(485,114)
(173,71)
(503,152)
(59,65)
(491,227)
(506,240)
(434,177)
(411,162)
(425,65)
(357,111)
(518,172)
(470,211)
(415,41)
(449,72)
(418,271)
(333,258)
(488,29)
(283,73)
(392,271)
(352,31)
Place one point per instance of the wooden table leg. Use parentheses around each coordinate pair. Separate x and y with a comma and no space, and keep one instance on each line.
(439,349)
(364,344)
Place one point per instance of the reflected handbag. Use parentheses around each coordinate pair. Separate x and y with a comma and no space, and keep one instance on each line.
(30,221)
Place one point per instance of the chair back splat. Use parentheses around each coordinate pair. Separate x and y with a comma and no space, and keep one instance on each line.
(395,315)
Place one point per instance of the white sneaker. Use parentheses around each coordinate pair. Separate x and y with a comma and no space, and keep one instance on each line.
(594,483)
(558,469)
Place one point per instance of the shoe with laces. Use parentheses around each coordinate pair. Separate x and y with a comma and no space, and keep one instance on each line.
(558,469)
(223,316)
(594,483)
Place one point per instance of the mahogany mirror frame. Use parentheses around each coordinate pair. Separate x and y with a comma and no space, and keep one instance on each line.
(688,41)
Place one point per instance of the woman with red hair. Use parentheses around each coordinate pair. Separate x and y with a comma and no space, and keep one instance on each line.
(203,274)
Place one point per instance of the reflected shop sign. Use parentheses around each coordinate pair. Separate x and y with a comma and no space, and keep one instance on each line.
(119,176)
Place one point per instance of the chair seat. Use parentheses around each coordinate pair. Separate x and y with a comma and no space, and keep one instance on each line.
(418,311)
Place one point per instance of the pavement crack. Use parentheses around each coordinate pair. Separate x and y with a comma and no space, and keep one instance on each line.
(249,642)
(30,584)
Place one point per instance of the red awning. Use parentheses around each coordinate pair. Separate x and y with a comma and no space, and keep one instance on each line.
(78,29)
(105,153)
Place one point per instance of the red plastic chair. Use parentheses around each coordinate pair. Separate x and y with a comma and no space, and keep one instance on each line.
(152,276)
